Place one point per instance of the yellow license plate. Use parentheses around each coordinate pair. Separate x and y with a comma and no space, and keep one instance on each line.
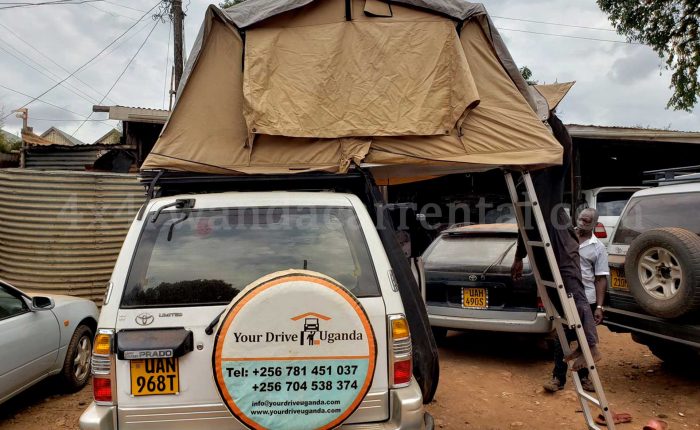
(618,280)
(154,376)
(475,298)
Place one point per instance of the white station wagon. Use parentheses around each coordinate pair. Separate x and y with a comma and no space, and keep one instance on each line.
(188,258)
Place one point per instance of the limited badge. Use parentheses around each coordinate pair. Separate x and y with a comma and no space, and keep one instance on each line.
(294,351)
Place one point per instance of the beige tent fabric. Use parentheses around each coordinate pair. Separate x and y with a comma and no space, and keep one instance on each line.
(271,155)
(352,79)
(207,132)
(503,123)
(206,126)
(554,93)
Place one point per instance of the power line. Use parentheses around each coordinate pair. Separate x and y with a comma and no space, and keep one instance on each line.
(121,74)
(570,37)
(66,85)
(48,3)
(90,60)
(114,14)
(553,23)
(124,6)
(18,37)
(119,45)
(48,103)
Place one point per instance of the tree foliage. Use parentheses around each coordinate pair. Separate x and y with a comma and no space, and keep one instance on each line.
(7,146)
(527,75)
(670,27)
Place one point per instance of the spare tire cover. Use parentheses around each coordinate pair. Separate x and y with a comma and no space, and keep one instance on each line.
(294,350)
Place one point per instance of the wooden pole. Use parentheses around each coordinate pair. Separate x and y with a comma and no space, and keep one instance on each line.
(177,39)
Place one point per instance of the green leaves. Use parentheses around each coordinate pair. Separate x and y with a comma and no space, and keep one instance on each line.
(670,27)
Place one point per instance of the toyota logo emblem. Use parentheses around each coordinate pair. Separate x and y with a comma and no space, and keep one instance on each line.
(473,278)
(144,319)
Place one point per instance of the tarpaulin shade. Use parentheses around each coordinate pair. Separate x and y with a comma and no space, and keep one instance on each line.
(314,86)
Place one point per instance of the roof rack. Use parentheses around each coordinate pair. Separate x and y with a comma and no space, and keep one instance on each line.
(675,175)
(161,183)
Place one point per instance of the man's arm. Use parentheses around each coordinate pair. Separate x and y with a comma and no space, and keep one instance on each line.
(601,285)
(516,270)
(602,271)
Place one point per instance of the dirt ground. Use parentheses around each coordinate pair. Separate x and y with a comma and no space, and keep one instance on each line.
(487,382)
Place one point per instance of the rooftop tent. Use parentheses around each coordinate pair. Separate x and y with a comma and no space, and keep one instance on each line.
(410,89)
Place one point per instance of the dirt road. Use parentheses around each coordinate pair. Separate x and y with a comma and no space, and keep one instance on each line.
(487,382)
(495,382)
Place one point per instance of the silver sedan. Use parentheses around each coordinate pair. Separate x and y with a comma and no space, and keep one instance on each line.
(41,336)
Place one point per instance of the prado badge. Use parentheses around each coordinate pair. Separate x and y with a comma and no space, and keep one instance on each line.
(294,351)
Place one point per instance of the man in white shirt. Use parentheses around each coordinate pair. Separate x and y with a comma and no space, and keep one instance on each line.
(594,272)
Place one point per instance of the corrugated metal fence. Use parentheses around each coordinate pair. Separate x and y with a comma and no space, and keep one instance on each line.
(61,159)
(60,232)
(9,160)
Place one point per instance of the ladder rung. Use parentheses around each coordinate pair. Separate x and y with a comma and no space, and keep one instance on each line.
(549,284)
(590,398)
(523,204)
(563,321)
(535,243)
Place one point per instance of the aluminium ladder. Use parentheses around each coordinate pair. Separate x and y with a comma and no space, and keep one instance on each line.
(538,244)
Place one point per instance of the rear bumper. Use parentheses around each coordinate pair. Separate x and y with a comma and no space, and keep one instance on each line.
(407,413)
(512,322)
(97,417)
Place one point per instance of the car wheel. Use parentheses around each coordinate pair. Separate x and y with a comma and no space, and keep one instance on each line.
(663,271)
(439,333)
(76,367)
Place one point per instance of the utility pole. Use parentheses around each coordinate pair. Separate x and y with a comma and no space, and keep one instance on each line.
(23,113)
(178,16)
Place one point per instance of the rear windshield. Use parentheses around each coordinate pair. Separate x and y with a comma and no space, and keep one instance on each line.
(208,257)
(669,210)
(472,251)
(611,203)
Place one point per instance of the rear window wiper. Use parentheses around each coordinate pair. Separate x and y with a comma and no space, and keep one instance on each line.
(210,328)
(499,259)
(179,204)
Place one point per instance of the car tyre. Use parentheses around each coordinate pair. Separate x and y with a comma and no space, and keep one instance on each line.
(663,271)
(76,367)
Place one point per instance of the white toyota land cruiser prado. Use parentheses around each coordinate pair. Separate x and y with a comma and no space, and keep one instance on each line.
(177,314)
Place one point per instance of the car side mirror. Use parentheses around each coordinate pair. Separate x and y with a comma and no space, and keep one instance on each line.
(41,303)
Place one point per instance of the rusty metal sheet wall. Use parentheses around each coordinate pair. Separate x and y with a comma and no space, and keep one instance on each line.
(61,160)
(61,232)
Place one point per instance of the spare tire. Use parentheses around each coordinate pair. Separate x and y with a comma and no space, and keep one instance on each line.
(663,271)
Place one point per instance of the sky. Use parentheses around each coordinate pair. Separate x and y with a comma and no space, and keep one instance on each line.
(617,84)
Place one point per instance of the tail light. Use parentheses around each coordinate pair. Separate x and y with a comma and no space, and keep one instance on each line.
(401,354)
(540,304)
(103,377)
(599,231)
